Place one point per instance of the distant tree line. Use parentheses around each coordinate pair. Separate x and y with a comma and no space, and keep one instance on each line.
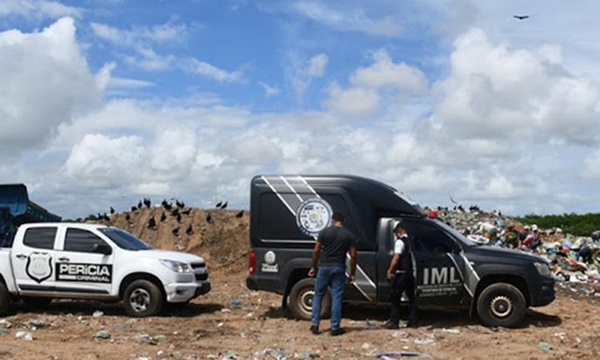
(574,224)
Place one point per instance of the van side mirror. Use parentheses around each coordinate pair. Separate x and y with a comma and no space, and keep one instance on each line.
(102,249)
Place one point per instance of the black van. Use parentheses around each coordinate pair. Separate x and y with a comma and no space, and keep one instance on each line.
(287,212)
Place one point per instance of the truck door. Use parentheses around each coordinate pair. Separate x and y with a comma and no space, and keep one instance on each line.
(81,266)
(385,252)
(439,278)
(33,260)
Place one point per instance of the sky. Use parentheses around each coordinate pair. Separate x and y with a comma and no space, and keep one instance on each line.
(105,102)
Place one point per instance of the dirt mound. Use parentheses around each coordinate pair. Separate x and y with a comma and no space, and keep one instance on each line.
(219,235)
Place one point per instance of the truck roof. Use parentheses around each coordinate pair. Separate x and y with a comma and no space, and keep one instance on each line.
(386,199)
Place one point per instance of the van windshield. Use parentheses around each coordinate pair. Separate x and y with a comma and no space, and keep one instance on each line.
(124,240)
(457,235)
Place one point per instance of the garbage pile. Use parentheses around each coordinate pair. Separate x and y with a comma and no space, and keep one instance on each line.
(573,259)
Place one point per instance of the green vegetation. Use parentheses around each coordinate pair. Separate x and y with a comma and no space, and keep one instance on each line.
(575,224)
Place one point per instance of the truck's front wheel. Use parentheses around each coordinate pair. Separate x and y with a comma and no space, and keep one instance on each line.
(301,299)
(501,304)
(5,302)
(142,298)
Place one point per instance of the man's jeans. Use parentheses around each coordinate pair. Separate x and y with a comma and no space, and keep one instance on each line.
(335,277)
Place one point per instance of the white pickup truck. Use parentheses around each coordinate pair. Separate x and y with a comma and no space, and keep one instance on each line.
(97,262)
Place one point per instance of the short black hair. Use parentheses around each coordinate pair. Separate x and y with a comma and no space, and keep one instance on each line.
(399,226)
(337,216)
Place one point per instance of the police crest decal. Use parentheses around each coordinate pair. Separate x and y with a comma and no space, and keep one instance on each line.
(313,215)
(39,266)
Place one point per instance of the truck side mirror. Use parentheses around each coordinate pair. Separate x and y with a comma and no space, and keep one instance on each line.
(102,249)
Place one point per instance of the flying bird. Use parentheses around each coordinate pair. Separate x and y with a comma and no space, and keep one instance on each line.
(240,214)
(224,206)
(521,17)
(187,212)
(218,206)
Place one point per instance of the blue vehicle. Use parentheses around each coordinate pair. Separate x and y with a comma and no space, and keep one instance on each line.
(16,209)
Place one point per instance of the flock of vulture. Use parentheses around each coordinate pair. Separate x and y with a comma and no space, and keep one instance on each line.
(176,209)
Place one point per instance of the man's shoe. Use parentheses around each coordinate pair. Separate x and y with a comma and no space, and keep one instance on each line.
(390,325)
(314,329)
(337,332)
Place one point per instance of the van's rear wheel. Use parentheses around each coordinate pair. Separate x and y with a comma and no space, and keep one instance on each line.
(301,299)
(142,298)
(501,304)
(5,302)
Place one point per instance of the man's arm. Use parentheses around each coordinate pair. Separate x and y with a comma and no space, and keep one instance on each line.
(315,259)
(393,264)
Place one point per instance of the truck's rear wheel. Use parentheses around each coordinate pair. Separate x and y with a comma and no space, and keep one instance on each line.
(37,303)
(501,304)
(301,299)
(5,302)
(142,298)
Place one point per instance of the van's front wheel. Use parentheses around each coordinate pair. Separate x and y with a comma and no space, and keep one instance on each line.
(301,300)
(142,298)
(501,304)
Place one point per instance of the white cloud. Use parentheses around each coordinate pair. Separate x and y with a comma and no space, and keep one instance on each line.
(348,18)
(353,101)
(37,9)
(375,85)
(384,72)
(495,92)
(205,69)
(45,82)
(307,71)
(269,90)
(139,35)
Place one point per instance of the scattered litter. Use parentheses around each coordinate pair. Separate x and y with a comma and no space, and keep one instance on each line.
(25,335)
(544,346)
(36,324)
(451,331)
(3,331)
(424,341)
(399,354)
(97,313)
(275,354)
(103,334)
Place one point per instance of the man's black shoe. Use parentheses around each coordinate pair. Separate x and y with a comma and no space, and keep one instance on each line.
(337,332)
(390,325)
(314,329)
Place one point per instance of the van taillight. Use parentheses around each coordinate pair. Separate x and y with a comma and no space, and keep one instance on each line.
(252,262)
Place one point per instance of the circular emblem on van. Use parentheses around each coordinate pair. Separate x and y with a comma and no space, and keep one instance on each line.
(313,215)
(270,257)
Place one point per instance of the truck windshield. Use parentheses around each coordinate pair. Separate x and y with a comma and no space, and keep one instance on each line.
(457,235)
(125,240)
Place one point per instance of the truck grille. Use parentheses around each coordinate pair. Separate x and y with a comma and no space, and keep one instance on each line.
(201,277)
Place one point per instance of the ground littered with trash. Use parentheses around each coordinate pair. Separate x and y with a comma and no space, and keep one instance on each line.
(232,322)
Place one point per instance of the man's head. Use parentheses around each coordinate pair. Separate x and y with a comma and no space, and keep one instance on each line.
(337,217)
(399,230)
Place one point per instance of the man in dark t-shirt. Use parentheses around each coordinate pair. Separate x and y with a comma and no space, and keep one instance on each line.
(330,252)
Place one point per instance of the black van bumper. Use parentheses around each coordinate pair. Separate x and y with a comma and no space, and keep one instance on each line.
(268,284)
(541,291)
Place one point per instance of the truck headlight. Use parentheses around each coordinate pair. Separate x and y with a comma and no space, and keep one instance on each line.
(176,266)
(542,268)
